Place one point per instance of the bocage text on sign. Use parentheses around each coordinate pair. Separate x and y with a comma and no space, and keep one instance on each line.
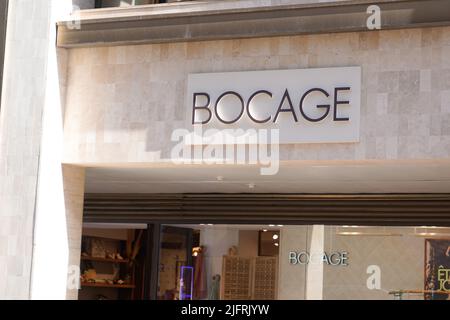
(306,105)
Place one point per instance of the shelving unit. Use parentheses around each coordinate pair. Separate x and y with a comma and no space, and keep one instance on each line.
(265,270)
(236,278)
(104,259)
(249,278)
(107,285)
(106,270)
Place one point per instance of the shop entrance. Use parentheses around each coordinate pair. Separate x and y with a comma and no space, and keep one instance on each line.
(230,240)
(221,262)
(208,261)
(177,258)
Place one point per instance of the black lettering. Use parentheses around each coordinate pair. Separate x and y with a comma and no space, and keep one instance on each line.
(291,109)
(240,113)
(336,102)
(327,106)
(205,107)
(248,106)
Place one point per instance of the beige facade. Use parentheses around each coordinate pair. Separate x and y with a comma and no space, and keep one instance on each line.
(20,136)
(31,171)
(65,110)
(128,99)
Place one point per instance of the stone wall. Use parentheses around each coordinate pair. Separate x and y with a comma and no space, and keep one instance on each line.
(31,174)
(20,134)
(124,102)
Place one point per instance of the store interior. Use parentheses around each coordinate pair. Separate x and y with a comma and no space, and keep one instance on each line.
(254,262)
(227,260)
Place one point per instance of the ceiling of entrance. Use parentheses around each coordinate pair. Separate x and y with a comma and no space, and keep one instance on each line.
(364,178)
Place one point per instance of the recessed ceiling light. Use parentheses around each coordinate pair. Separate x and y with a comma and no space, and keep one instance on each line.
(275,237)
(210,224)
(349,233)
(369,234)
(430,234)
(425,234)
(276,244)
(264,230)
(280,225)
(271,225)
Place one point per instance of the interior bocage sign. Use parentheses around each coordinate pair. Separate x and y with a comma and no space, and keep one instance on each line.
(306,105)
(331,259)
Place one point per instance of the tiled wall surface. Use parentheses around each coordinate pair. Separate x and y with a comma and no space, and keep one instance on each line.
(400,259)
(74,198)
(292,279)
(20,135)
(26,94)
(124,102)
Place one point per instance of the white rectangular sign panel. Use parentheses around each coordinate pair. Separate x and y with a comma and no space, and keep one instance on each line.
(306,105)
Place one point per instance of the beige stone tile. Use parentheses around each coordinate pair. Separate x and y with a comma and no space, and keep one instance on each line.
(431,37)
(440,79)
(195,50)
(17,288)
(409,81)
(445,58)
(297,44)
(398,39)
(369,40)
(445,102)
(391,148)
(425,80)
(388,81)
(177,51)
(102,74)
(163,52)
(212,49)
(394,64)
(382,103)
(445,35)
(445,124)
(15,265)
(388,60)
(97,56)
(426,61)
(408,57)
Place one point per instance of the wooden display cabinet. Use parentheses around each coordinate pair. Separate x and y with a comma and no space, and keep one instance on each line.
(103,276)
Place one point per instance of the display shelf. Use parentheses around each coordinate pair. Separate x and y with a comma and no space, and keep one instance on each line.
(104,259)
(107,285)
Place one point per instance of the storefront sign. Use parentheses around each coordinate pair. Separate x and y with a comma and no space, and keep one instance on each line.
(332,259)
(437,269)
(305,105)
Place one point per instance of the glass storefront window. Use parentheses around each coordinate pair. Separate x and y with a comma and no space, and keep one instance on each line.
(260,262)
